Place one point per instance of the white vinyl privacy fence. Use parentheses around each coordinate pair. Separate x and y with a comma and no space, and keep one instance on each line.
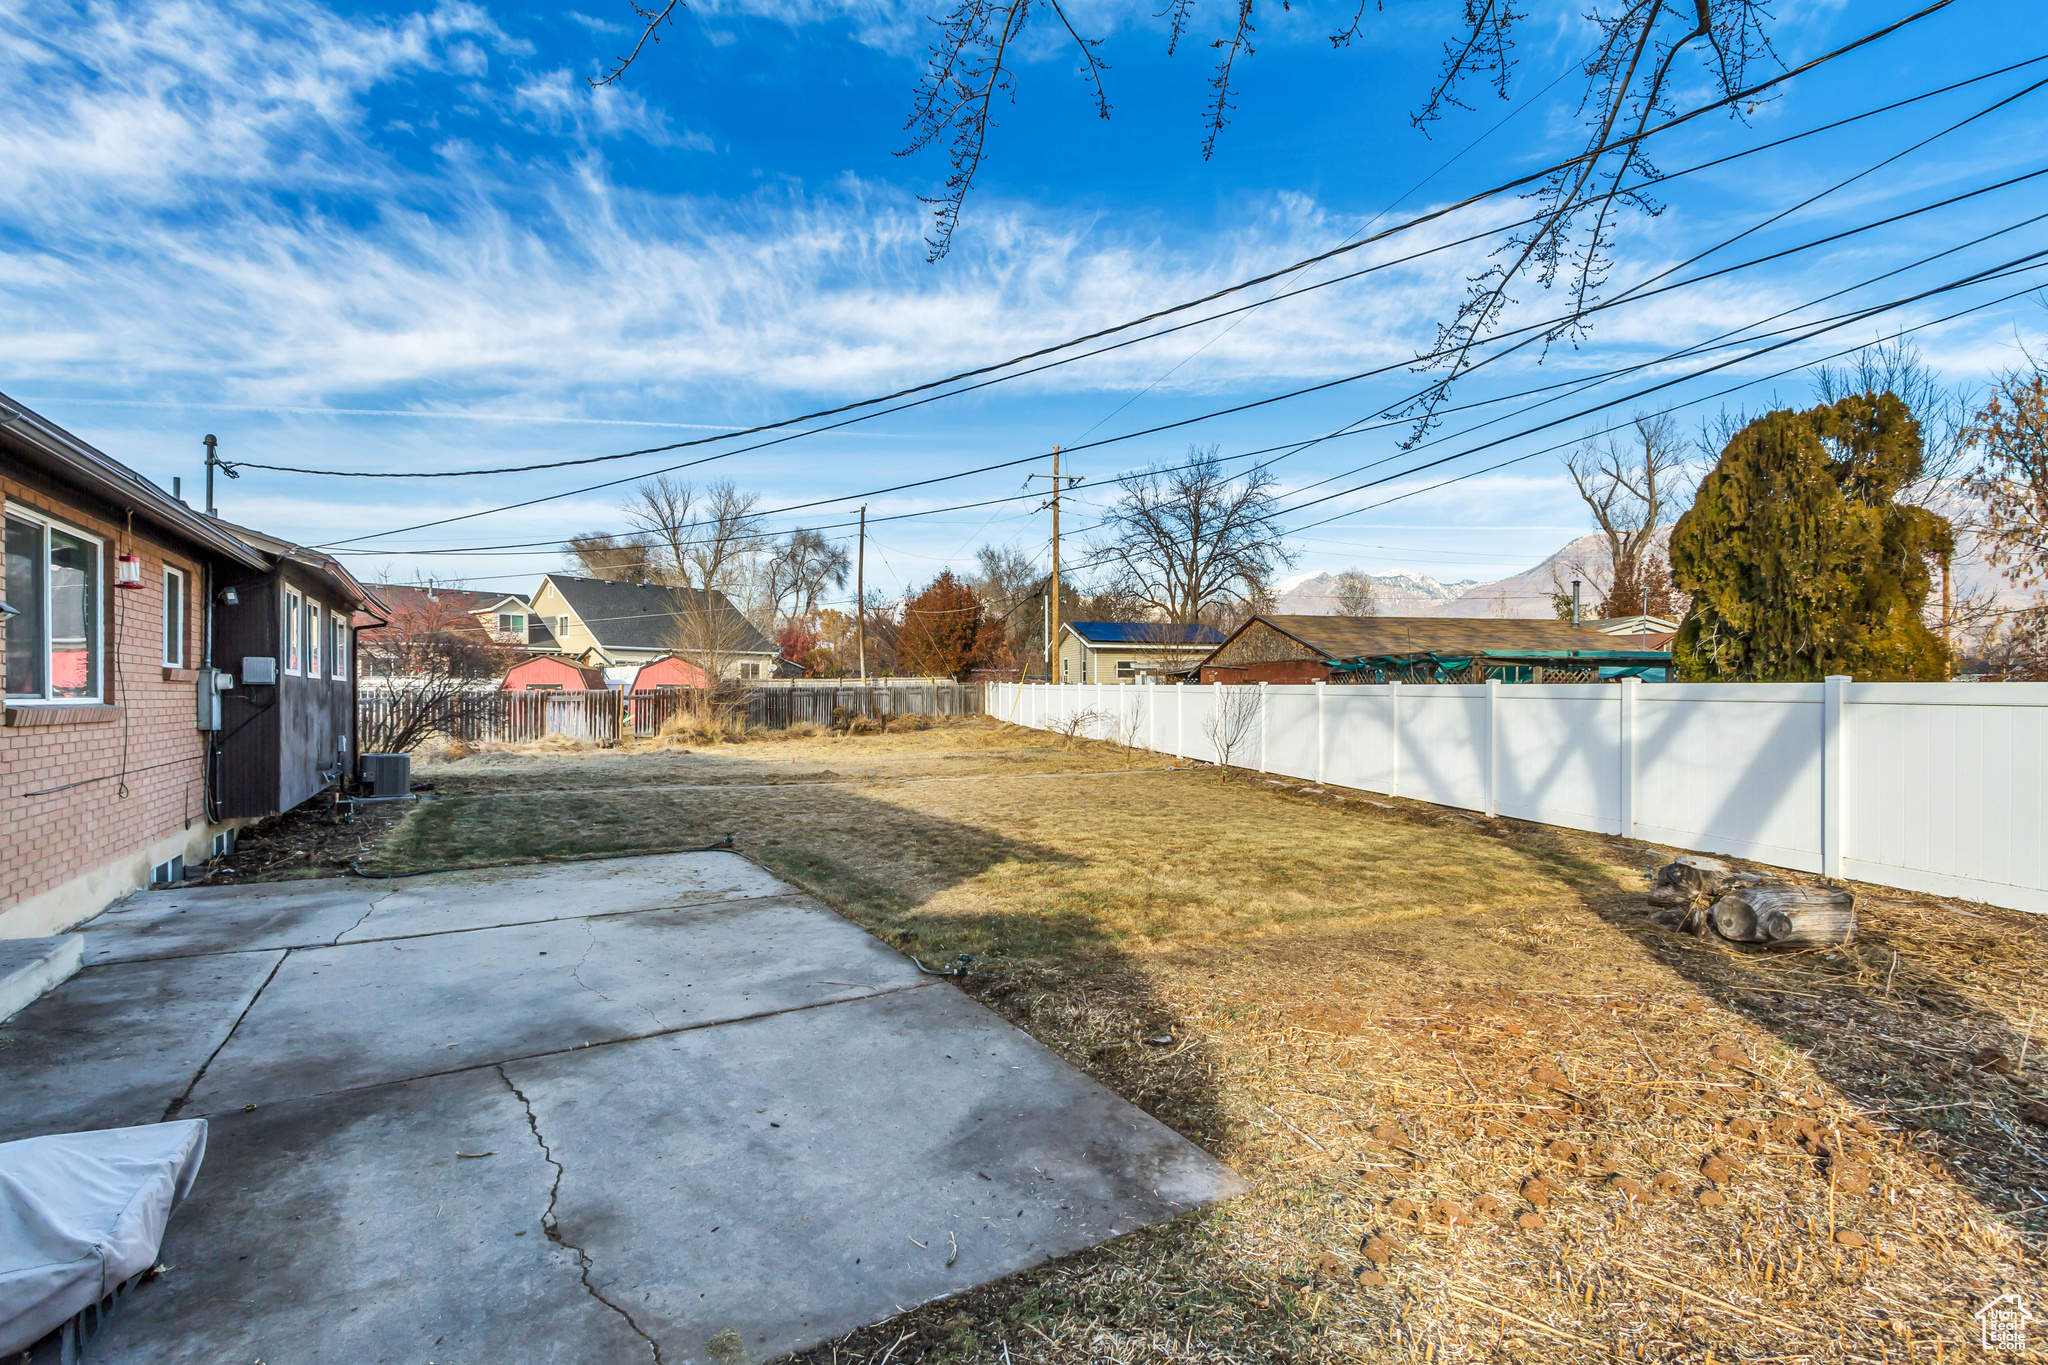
(1934,787)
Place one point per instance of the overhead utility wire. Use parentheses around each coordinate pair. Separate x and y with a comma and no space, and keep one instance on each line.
(1575,383)
(1342,249)
(2005,269)
(1583,383)
(1747,383)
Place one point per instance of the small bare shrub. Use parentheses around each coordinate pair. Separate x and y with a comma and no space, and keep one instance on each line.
(1232,724)
(1079,726)
(900,725)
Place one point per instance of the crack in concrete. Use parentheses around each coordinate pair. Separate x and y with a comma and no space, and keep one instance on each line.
(577,970)
(553,1232)
(172,1109)
(621,1041)
(368,911)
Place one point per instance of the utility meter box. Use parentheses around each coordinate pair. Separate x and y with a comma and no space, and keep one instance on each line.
(211,682)
(259,671)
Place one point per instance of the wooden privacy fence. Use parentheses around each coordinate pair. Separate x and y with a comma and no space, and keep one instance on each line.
(522,717)
(775,706)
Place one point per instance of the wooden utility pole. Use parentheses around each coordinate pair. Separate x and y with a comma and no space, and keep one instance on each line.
(1053,593)
(860,595)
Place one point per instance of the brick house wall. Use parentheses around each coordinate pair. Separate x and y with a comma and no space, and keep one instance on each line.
(92,797)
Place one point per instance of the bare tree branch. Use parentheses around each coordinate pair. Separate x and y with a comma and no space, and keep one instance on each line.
(651,20)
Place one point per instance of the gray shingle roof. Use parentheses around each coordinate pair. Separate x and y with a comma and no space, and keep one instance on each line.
(644,616)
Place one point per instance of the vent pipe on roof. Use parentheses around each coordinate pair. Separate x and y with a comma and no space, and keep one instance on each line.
(1575,601)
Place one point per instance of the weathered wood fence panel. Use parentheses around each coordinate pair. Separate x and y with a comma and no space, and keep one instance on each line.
(493,717)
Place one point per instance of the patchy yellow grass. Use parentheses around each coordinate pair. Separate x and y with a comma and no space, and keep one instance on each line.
(1393,1019)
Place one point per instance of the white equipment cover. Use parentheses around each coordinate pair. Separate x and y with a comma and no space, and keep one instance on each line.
(80,1213)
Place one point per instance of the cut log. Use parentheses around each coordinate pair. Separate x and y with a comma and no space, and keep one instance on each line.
(1704,878)
(1782,916)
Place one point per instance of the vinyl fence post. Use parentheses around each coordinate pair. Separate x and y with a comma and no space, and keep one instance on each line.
(1322,690)
(1394,701)
(1180,722)
(1262,727)
(1492,746)
(1834,774)
(1631,692)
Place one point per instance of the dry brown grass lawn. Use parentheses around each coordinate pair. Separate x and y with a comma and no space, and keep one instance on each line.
(1489,1111)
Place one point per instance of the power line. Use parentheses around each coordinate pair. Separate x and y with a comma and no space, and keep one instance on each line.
(1996,272)
(1349,246)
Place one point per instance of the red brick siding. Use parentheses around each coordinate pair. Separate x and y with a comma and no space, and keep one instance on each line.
(47,840)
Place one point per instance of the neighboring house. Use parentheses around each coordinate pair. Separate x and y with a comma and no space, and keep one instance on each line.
(552,673)
(1644,632)
(1305,649)
(1124,651)
(113,764)
(501,618)
(607,624)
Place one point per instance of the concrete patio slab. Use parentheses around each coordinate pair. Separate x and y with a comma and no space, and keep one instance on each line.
(366,1013)
(736,1121)
(116,1044)
(529,895)
(30,966)
(347,1230)
(193,920)
(792,1178)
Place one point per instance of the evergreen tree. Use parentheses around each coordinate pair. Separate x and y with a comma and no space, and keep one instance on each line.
(1799,559)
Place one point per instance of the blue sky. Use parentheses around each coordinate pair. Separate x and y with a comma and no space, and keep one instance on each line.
(414,238)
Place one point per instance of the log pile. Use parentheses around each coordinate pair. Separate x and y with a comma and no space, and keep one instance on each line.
(1694,894)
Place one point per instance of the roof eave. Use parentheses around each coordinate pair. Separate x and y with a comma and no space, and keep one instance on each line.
(49,446)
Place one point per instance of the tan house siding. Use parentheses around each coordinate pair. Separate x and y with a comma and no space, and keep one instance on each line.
(91,797)
(550,607)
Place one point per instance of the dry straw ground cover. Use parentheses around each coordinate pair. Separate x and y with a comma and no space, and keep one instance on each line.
(1490,1112)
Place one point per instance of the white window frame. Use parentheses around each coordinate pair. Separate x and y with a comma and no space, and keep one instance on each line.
(518,620)
(337,643)
(176,602)
(98,639)
(315,624)
(561,628)
(290,662)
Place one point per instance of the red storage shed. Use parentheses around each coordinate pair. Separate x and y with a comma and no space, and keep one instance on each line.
(552,674)
(667,671)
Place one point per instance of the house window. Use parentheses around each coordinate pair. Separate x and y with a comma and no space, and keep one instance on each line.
(174,618)
(511,623)
(1066,666)
(750,670)
(339,654)
(561,627)
(313,618)
(291,631)
(54,583)
(1126,668)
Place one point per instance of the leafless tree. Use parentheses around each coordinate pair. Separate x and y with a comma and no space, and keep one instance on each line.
(799,570)
(1079,725)
(1943,411)
(1232,724)
(1191,542)
(1633,484)
(700,545)
(1356,595)
(600,554)
(416,668)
